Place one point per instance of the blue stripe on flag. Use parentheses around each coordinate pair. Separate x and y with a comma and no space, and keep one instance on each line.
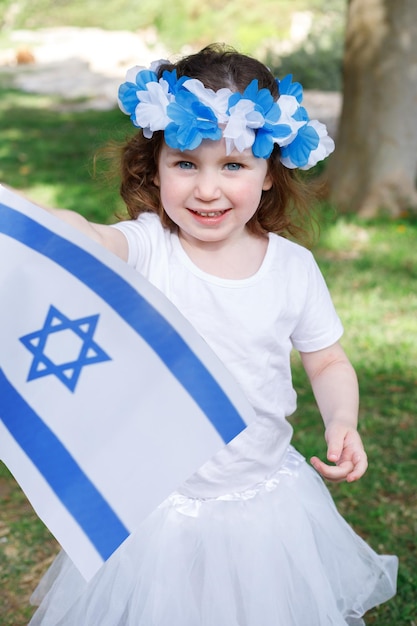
(104,529)
(136,311)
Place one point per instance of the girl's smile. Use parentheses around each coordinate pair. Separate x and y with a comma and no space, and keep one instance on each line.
(209,217)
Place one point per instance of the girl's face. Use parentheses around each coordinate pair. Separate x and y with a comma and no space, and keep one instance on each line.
(209,195)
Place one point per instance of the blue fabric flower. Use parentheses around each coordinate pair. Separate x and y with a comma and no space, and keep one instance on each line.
(174,83)
(301,115)
(262,99)
(127,95)
(288,88)
(192,122)
(264,140)
(299,150)
(270,131)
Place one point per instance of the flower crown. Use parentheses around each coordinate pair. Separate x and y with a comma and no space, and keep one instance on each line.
(188,112)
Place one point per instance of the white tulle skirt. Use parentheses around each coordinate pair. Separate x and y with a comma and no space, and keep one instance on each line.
(278,554)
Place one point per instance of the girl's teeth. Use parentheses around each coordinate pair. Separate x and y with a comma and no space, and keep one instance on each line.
(209,213)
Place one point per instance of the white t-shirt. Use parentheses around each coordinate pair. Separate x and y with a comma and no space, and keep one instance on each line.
(252,325)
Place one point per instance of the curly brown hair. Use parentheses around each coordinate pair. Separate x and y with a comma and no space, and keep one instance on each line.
(284,209)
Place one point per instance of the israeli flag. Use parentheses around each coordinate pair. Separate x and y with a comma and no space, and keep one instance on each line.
(109,399)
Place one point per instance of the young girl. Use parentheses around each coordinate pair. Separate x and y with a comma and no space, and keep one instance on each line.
(253,538)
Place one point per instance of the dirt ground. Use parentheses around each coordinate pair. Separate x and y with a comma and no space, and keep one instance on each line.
(89,64)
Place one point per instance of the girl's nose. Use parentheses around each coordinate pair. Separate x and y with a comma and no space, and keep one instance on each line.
(207,187)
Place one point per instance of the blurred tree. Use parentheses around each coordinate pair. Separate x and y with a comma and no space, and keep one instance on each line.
(374,165)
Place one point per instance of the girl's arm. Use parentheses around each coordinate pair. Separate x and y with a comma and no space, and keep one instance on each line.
(110,238)
(335,388)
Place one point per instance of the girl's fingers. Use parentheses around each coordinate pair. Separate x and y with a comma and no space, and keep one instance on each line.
(360,461)
(334,473)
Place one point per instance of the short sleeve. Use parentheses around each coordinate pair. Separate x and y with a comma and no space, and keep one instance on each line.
(130,231)
(318,325)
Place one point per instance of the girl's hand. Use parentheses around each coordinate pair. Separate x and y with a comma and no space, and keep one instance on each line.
(345,449)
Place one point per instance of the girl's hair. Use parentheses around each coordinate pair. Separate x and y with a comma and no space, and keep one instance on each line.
(283,209)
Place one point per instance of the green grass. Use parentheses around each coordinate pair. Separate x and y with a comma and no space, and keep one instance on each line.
(26,550)
(48,152)
(371,269)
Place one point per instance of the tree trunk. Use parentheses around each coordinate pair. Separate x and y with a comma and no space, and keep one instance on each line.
(374,166)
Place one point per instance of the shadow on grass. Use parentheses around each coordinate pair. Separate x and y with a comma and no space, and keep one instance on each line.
(48,152)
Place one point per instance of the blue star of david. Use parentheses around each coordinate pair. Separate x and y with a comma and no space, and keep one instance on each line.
(68,372)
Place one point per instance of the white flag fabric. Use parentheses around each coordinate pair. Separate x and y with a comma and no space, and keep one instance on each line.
(109,399)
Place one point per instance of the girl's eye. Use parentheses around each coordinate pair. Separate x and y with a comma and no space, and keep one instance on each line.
(233,167)
(185,165)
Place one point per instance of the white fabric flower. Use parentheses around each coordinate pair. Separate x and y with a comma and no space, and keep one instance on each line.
(325,147)
(218,101)
(155,65)
(151,112)
(239,130)
(289,107)
(133,72)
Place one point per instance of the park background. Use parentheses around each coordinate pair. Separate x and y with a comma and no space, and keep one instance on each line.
(52,124)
